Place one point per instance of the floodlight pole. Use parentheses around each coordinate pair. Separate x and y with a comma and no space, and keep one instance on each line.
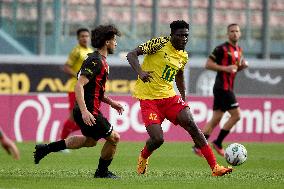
(155,18)
(41,27)
(265,30)
(210,26)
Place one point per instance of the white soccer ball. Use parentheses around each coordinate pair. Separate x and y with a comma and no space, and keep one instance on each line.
(235,154)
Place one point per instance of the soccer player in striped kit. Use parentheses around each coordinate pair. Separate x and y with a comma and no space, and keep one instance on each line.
(90,93)
(71,67)
(226,59)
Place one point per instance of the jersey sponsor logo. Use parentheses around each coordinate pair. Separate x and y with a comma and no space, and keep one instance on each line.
(89,70)
(169,73)
(153,117)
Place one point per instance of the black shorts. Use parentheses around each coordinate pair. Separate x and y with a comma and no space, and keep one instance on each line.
(224,100)
(101,129)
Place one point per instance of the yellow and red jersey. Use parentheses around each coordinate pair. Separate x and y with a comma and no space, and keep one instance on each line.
(164,61)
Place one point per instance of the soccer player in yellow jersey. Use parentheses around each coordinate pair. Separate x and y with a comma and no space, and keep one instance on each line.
(163,64)
(71,67)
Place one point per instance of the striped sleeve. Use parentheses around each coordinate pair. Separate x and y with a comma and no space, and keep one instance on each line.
(153,45)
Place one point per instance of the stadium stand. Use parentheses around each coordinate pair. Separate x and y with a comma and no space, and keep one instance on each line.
(81,13)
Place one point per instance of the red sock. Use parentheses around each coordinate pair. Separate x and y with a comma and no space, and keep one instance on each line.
(209,156)
(68,127)
(145,153)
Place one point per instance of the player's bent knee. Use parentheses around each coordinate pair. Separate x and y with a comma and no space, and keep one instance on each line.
(114,138)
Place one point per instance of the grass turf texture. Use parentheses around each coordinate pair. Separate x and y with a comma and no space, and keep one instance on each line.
(172,166)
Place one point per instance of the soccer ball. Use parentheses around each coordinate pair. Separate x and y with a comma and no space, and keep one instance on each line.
(235,154)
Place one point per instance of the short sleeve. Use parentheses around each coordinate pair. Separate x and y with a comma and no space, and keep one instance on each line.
(216,55)
(73,57)
(153,45)
(90,68)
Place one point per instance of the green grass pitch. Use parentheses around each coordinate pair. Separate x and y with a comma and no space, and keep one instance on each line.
(172,166)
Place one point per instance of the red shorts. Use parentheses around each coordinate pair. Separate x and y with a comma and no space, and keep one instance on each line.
(155,111)
(72,100)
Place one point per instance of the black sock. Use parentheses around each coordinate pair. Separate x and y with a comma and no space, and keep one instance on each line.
(206,136)
(103,165)
(223,133)
(56,146)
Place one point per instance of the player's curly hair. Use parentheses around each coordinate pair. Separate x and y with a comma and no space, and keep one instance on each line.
(102,33)
(178,24)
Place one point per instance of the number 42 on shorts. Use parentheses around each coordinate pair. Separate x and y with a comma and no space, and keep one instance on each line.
(153,116)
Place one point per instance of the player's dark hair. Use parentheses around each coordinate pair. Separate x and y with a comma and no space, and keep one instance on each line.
(230,25)
(82,30)
(102,33)
(178,24)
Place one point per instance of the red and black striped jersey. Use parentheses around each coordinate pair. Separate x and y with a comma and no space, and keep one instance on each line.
(96,69)
(226,54)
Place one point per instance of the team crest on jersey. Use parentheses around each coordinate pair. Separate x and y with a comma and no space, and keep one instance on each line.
(236,54)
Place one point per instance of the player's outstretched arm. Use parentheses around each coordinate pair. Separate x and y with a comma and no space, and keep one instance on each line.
(180,83)
(132,58)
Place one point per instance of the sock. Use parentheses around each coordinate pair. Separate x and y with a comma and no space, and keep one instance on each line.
(206,136)
(68,127)
(103,164)
(145,153)
(223,133)
(56,146)
(209,156)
